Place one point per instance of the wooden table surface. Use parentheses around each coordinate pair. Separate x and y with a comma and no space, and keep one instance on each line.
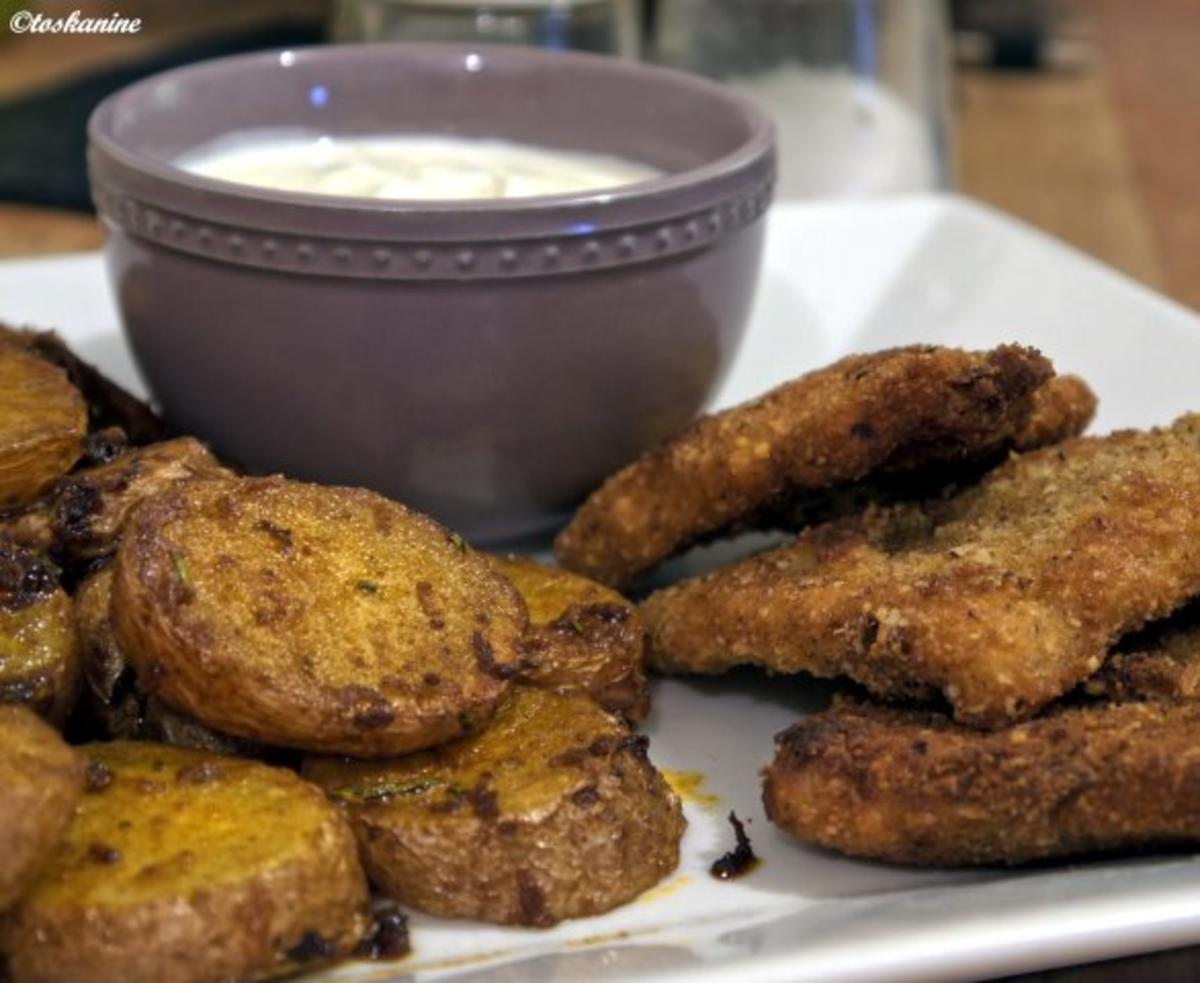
(1105,156)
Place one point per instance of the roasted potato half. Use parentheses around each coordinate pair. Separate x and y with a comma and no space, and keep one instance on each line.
(553,812)
(39,647)
(43,422)
(103,664)
(117,706)
(41,779)
(582,637)
(324,619)
(186,866)
(108,405)
(83,516)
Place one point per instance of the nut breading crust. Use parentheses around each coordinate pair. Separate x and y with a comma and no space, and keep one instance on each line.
(915,788)
(1161,663)
(1001,598)
(890,410)
(1062,409)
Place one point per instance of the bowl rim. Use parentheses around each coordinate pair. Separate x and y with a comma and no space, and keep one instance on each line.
(754,150)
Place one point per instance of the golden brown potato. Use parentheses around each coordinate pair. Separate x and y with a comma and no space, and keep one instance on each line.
(185,866)
(39,648)
(553,812)
(117,706)
(103,664)
(40,781)
(82,518)
(43,421)
(108,405)
(582,638)
(325,619)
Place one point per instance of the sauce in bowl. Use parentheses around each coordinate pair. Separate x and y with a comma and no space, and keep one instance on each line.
(412,167)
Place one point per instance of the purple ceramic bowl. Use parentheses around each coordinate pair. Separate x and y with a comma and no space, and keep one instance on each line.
(486,362)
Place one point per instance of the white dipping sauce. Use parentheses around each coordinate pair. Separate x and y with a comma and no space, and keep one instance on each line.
(410,167)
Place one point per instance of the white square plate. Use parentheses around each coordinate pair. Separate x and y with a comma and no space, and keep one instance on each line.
(837,278)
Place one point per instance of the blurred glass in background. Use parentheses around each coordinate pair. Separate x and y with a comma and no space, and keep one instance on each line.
(603,26)
(858,88)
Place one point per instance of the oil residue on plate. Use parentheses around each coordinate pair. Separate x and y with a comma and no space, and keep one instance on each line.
(688,785)
(738,861)
(665,889)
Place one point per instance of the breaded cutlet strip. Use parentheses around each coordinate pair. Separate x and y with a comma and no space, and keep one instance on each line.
(1161,663)
(912,787)
(1062,409)
(1001,598)
(890,410)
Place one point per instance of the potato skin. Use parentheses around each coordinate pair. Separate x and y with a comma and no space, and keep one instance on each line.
(83,516)
(39,648)
(103,663)
(117,707)
(583,638)
(324,619)
(43,421)
(184,866)
(553,812)
(41,779)
(108,405)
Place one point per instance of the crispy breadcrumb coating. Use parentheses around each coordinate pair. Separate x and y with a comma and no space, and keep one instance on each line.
(1001,598)
(1062,409)
(913,787)
(1160,663)
(893,410)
